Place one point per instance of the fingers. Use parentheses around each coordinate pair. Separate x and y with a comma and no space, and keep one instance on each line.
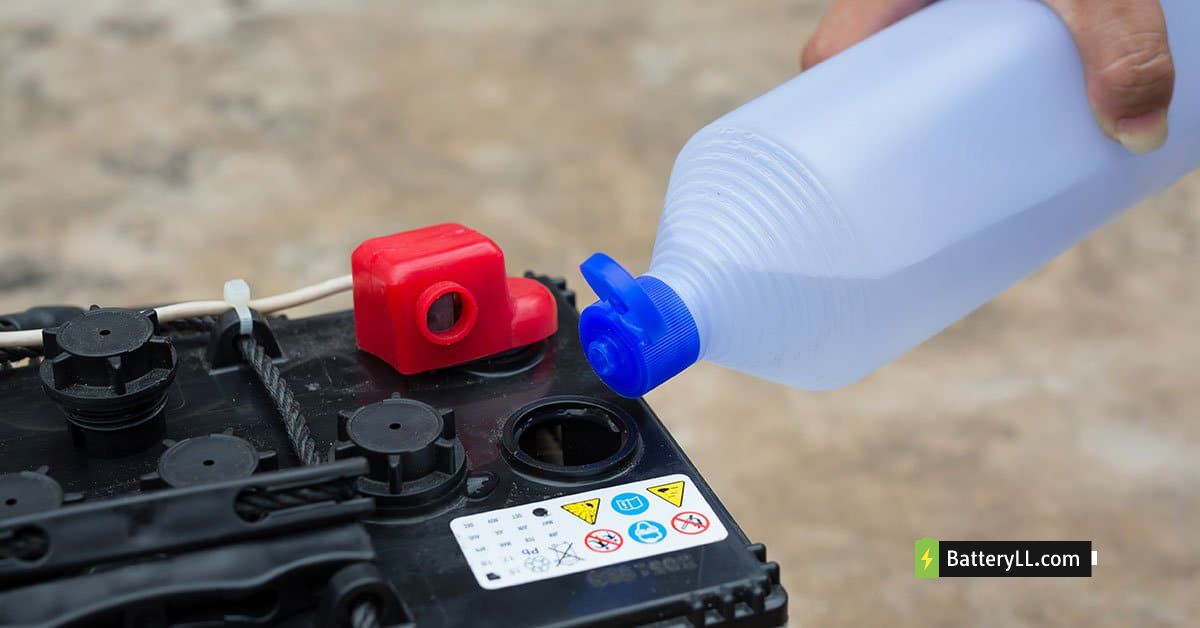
(1126,55)
(850,21)
(1127,59)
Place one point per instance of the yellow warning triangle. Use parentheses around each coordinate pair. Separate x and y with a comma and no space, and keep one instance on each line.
(586,509)
(671,491)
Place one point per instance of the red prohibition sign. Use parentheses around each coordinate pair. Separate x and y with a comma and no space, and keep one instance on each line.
(689,522)
(603,541)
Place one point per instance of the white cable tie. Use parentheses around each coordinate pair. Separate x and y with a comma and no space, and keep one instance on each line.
(237,295)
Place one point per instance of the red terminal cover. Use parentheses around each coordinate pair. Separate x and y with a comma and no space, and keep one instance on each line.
(439,296)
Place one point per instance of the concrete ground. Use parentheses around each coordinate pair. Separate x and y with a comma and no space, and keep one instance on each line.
(149,151)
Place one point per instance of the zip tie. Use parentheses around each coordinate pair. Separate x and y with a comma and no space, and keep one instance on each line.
(237,295)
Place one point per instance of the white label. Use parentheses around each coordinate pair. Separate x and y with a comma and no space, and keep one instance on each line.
(586,531)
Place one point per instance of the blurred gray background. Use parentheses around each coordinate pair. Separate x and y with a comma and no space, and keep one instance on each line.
(151,150)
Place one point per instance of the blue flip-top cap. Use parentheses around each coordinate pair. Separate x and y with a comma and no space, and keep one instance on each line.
(640,333)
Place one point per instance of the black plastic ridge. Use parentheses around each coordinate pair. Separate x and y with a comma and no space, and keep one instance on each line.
(93,533)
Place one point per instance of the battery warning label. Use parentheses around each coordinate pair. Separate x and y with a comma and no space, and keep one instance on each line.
(671,491)
(585,510)
(585,531)
(603,541)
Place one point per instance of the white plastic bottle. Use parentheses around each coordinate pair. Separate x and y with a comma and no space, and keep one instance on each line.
(821,230)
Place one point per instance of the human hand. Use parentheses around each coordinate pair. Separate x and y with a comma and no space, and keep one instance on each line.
(1127,59)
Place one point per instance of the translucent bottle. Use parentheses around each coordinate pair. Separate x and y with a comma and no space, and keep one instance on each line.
(821,230)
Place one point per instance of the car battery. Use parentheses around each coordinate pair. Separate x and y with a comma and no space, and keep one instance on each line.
(441,455)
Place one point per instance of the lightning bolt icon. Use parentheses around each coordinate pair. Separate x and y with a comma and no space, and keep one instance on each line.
(925,557)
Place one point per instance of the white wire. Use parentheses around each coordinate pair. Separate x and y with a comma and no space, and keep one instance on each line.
(27,338)
(189,309)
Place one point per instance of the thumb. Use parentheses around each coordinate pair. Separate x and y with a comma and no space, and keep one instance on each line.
(1127,60)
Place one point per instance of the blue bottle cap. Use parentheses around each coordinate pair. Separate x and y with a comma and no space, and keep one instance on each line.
(640,333)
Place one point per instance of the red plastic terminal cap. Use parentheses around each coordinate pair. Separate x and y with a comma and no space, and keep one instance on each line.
(435,297)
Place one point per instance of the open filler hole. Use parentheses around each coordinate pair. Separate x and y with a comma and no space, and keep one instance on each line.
(569,437)
(570,442)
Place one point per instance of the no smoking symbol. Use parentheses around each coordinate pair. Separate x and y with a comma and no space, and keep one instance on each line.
(689,522)
(603,541)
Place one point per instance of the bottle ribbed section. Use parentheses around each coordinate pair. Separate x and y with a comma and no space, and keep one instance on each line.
(750,241)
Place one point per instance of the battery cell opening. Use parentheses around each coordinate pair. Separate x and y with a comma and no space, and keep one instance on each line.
(570,440)
(570,437)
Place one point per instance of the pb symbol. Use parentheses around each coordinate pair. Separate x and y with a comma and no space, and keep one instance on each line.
(925,558)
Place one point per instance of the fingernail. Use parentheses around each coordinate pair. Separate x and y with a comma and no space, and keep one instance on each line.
(1143,134)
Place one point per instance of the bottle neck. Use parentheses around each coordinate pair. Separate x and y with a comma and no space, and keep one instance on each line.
(688,293)
(639,333)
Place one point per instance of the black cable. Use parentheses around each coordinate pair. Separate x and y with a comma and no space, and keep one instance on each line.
(253,505)
(193,325)
(297,427)
(365,614)
(16,354)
